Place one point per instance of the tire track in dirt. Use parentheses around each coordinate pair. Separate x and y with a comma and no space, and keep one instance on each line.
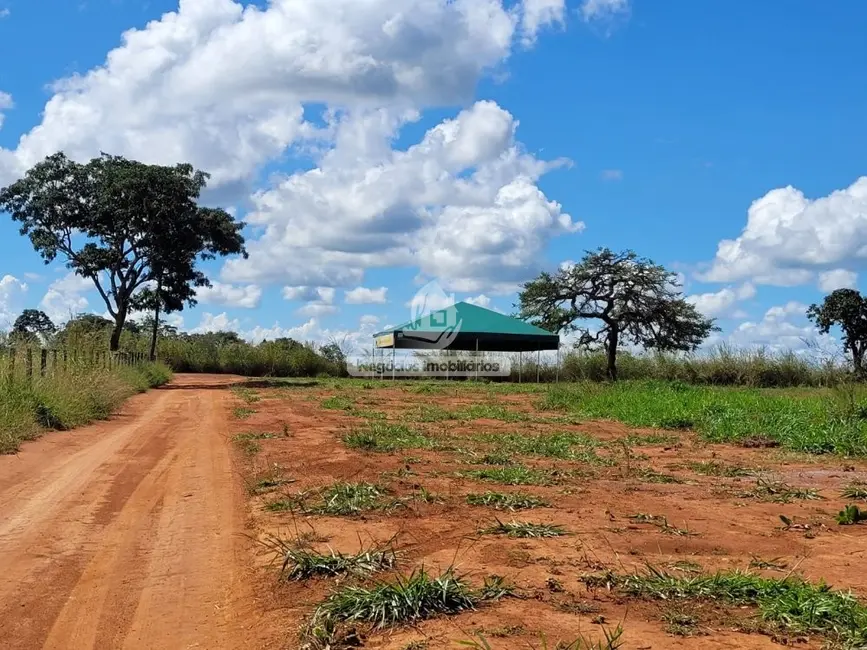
(125,534)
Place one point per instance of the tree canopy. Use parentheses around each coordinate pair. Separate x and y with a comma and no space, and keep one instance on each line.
(33,325)
(632,299)
(135,230)
(847,309)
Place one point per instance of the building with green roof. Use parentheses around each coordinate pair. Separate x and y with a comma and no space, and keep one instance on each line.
(465,326)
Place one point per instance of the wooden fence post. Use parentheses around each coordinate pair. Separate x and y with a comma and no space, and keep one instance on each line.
(54,361)
(43,362)
(28,364)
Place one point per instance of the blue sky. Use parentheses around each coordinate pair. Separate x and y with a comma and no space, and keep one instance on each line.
(473,143)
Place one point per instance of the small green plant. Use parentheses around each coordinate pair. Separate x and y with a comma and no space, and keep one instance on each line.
(248,442)
(248,395)
(300,562)
(780,492)
(649,475)
(512,475)
(506,501)
(416,597)
(774,564)
(681,622)
(661,522)
(338,403)
(379,436)
(850,515)
(351,498)
(523,529)
(243,412)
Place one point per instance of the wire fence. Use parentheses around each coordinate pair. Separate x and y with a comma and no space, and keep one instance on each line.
(25,362)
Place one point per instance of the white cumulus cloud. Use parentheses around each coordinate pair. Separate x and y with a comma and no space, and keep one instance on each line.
(65,297)
(462,205)
(12,292)
(838,279)
(720,303)
(596,10)
(789,238)
(365,296)
(247,297)
(538,14)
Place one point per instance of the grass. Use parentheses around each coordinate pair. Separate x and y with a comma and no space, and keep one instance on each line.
(506,500)
(406,599)
(248,442)
(523,529)
(66,398)
(300,562)
(511,475)
(243,412)
(379,436)
(565,446)
(820,422)
(855,491)
(791,604)
(850,515)
(345,499)
(780,492)
(338,402)
(246,394)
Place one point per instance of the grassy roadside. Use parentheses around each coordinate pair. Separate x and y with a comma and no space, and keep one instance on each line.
(68,399)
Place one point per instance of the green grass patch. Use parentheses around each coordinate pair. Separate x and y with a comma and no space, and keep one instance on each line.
(243,412)
(566,446)
(819,422)
(512,475)
(345,499)
(406,599)
(300,562)
(386,437)
(249,442)
(791,605)
(246,394)
(780,492)
(649,475)
(523,529)
(855,491)
(506,500)
(338,403)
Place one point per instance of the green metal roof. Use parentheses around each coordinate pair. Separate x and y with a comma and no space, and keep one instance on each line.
(471,319)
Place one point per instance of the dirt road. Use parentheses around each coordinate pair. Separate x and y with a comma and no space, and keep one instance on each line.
(126,534)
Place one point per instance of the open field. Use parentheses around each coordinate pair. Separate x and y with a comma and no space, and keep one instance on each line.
(432,515)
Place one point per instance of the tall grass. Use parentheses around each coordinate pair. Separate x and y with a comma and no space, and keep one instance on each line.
(68,398)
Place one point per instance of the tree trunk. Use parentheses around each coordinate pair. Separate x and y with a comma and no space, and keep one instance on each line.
(857,361)
(611,353)
(119,322)
(153,354)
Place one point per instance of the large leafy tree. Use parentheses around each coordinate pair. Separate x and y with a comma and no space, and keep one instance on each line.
(846,309)
(135,230)
(630,298)
(33,325)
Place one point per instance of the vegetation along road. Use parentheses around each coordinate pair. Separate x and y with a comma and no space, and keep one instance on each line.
(125,534)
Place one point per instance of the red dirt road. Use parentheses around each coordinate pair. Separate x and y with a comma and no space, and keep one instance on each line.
(126,534)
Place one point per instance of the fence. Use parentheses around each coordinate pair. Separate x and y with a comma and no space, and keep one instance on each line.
(43,362)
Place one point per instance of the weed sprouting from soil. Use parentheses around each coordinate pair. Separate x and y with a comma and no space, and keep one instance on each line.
(566,446)
(506,500)
(611,641)
(382,436)
(512,475)
(338,403)
(242,412)
(406,599)
(780,492)
(681,622)
(523,529)
(791,604)
(300,562)
(649,475)
(248,395)
(855,491)
(851,515)
(774,564)
(248,442)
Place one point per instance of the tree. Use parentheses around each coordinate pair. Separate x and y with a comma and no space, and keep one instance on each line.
(135,230)
(634,300)
(33,324)
(845,308)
